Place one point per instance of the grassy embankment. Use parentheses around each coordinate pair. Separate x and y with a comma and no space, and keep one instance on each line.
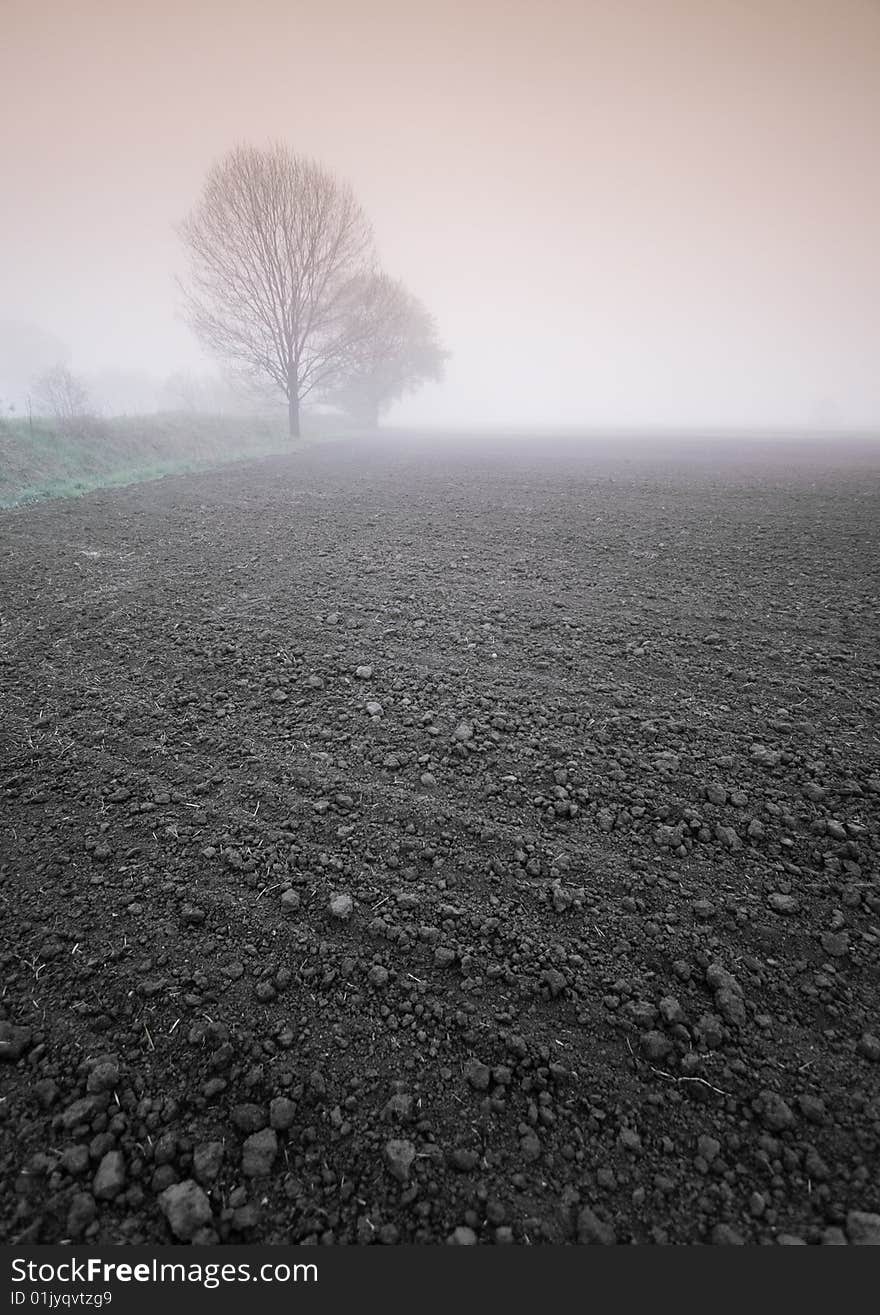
(39,460)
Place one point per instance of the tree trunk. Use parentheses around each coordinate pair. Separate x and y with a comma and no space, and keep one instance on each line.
(293,415)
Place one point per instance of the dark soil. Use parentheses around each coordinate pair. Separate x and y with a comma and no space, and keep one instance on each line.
(573,938)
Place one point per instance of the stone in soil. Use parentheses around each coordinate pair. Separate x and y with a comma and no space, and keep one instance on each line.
(399,1157)
(207,1161)
(259,1153)
(341,907)
(592,1231)
(291,901)
(186,1208)
(110,1177)
(14,1041)
(863,1228)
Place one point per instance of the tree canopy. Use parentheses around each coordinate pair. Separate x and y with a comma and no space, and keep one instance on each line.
(402,351)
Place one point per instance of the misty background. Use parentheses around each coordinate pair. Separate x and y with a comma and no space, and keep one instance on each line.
(620,212)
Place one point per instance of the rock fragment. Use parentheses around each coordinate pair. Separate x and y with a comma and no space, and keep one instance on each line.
(258,1153)
(341,907)
(591,1231)
(110,1177)
(863,1229)
(186,1208)
(207,1160)
(14,1041)
(399,1157)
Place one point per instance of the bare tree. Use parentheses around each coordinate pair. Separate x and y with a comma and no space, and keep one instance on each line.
(399,349)
(275,246)
(59,394)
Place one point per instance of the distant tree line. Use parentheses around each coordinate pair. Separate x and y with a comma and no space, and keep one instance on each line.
(284,286)
(37,381)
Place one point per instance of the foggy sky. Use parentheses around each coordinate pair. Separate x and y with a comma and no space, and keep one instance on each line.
(620,211)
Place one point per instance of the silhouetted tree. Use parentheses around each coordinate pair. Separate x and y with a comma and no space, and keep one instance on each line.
(59,394)
(276,247)
(400,349)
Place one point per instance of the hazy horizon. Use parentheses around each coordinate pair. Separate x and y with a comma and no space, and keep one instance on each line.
(622,215)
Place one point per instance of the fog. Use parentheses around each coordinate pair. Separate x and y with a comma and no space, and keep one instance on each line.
(621,212)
